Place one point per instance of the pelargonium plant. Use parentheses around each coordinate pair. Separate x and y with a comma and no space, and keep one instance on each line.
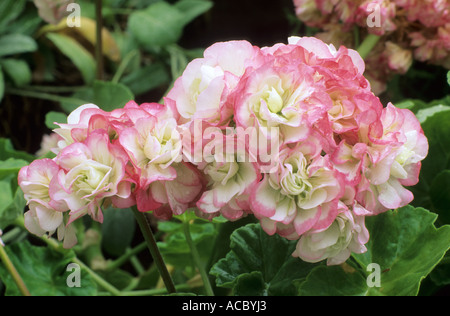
(290,134)
(397,32)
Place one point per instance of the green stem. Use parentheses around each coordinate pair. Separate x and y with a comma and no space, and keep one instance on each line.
(367,45)
(45,96)
(197,260)
(98,279)
(123,65)
(99,40)
(12,234)
(13,272)
(356,36)
(181,287)
(146,230)
(54,89)
(137,265)
(56,246)
(125,257)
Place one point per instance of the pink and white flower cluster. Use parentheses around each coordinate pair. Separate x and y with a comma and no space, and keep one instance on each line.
(336,154)
(409,29)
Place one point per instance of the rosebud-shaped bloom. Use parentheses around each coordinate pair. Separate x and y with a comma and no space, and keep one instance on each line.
(45,215)
(400,149)
(304,192)
(283,96)
(345,235)
(168,197)
(230,172)
(152,144)
(77,124)
(92,175)
(202,91)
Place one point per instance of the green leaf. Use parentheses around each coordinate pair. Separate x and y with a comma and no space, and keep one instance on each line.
(27,23)
(117,230)
(80,97)
(146,78)
(109,96)
(160,24)
(441,274)
(11,196)
(175,248)
(423,114)
(6,195)
(259,264)
(13,208)
(80,57)
(12,44)
(9,11)
(7,151)
(437,130)
(53,117)
(404,243)
(334,281)
(18,70)
(448,78)
(440,195)
(11,166)
(192,8)
(120,279)
(44,272)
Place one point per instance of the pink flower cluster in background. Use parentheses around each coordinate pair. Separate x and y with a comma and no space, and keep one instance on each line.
(409,29)
(340,155)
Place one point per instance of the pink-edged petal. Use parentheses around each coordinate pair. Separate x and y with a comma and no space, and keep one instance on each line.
(73,155)
(75,115)
(68,234)
(306,219)
(268,225)
(263,199)
(164,213)
(145,201)
(32,224)
(328,213)
(412,171)
(206,203)
(49,220)
(225,193)
(393,195)
(304,252)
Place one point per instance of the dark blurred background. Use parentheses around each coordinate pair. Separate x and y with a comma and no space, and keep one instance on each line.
(261,22)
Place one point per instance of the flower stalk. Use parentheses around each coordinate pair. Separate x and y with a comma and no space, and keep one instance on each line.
(146,230)
(367,45)
(196,257)
(13,272)
(99,40)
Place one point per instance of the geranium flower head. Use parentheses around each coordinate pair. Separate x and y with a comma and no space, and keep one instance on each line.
(92,173)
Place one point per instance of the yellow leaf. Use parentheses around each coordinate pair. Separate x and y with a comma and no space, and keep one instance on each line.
(87,30)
